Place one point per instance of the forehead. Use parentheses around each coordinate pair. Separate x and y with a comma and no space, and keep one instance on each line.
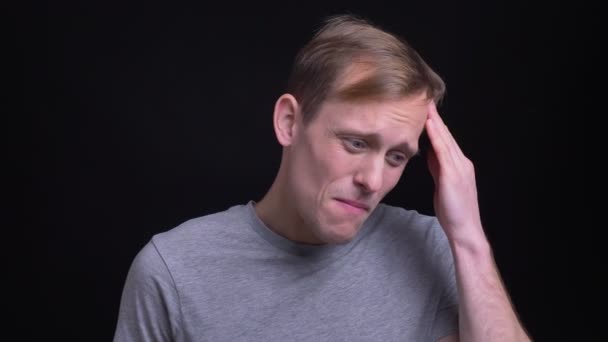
(409,112)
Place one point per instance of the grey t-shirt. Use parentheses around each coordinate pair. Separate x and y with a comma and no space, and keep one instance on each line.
(228,277)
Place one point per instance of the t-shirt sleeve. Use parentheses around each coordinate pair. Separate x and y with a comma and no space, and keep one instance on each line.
(149,306)
(446,317)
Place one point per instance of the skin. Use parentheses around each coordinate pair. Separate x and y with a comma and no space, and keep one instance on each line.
(358,151)
(350,151)
(485,311)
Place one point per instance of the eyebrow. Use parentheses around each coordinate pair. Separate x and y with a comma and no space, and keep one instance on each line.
(376,138)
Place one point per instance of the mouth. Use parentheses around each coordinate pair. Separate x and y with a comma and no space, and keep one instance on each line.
(354,204)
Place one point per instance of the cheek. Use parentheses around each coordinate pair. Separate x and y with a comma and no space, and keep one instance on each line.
(391,178)
(314,168)
(324,168)
(338,167)
(329,162)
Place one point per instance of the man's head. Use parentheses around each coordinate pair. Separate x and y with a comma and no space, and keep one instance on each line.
(389,68)
(355,108)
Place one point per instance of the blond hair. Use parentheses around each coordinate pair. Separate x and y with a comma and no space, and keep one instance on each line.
(389,68)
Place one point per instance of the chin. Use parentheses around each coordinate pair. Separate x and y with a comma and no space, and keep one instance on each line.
(338,235)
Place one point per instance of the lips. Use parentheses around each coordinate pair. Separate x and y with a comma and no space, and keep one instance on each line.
(355,204)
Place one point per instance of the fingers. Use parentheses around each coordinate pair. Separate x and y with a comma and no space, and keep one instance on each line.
(439,140)
(433,164)
(442,140)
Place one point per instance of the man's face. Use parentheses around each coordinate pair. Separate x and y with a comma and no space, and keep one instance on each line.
(348,158)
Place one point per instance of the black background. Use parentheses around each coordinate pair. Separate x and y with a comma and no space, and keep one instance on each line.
(143,115)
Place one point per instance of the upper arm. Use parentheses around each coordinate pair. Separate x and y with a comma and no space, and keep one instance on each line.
(149,304)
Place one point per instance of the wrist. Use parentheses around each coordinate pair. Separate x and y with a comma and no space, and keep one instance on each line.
(474,243)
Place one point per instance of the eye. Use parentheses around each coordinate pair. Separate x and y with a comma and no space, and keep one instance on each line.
(397,159)
(355,144)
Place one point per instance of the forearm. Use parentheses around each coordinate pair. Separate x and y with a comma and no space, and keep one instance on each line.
(486,312)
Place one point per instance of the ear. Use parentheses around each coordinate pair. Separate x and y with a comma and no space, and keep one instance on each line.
(285,119)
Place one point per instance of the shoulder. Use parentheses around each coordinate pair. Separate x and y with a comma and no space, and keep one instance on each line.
(408,220)
(203,235)
(203,229)
(409,226)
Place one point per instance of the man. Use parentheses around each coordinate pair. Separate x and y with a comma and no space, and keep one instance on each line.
(319,257)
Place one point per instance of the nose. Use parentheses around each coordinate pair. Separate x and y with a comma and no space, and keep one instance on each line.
(369,174)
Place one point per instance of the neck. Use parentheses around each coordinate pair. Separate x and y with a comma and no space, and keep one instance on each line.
(278,213)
